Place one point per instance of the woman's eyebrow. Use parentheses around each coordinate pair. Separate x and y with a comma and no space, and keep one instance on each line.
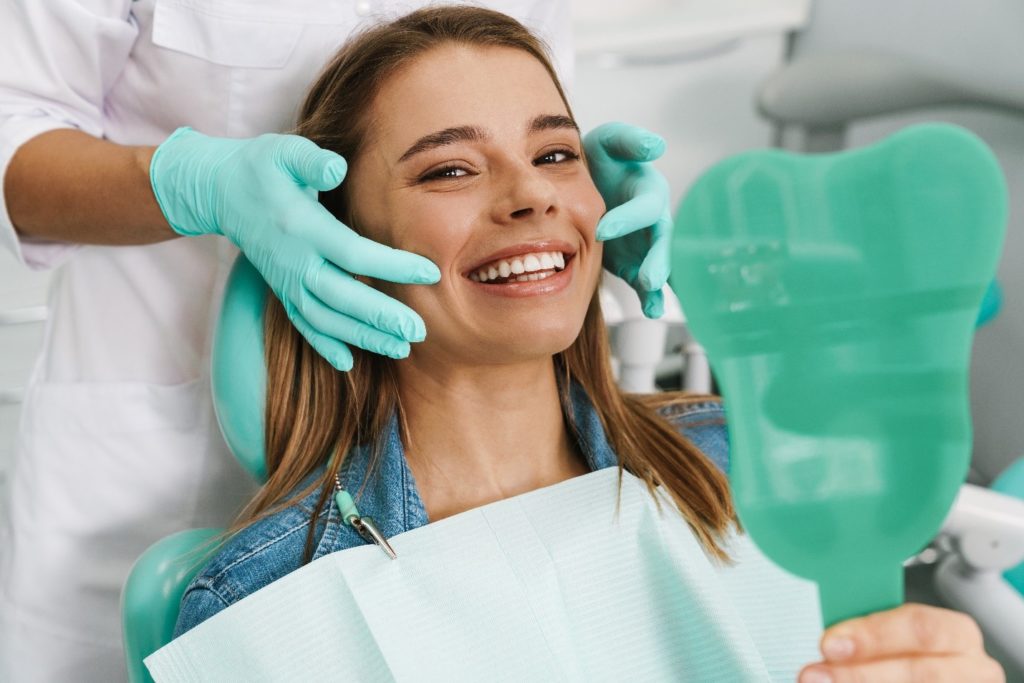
(552,122)
(449,136)
(444,137)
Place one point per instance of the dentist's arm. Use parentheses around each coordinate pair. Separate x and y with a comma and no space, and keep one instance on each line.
(261,193)
(69,186)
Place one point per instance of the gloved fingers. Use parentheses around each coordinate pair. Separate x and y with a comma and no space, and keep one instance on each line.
(342,292)
(626,271)
(311,165)
(642,211)
(653,304)
(336,353)
(623,142)
(351,331)
(656,265)
(356,254)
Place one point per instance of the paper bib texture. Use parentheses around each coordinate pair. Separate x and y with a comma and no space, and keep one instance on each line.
(551,585)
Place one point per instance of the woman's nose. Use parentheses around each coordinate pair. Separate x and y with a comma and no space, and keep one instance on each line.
(526,194)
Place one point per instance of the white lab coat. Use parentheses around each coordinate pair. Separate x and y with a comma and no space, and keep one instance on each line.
(118,445)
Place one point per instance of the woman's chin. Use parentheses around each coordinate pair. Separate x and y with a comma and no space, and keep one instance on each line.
(506,345)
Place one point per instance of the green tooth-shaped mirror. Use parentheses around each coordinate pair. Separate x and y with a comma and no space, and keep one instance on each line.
(836,296)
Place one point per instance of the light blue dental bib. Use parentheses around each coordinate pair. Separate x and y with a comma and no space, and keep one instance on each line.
(550,585)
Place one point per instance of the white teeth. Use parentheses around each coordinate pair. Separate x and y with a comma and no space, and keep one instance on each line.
(541,264)
(531,277)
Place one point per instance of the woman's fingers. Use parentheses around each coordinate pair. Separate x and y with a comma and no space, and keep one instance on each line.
(923,669)
(912,643)
(908,629)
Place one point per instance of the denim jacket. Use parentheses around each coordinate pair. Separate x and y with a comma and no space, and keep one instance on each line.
(273,547)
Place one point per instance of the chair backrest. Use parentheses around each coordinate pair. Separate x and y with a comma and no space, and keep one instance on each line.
(151,596)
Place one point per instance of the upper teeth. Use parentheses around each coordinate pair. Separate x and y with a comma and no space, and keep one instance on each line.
(525,263)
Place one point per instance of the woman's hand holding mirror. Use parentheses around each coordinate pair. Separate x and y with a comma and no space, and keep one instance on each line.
(909,644)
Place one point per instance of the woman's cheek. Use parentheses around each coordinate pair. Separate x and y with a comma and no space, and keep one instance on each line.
(587,207)
(598,255)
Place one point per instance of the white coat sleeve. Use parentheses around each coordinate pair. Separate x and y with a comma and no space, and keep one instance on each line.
(58,59)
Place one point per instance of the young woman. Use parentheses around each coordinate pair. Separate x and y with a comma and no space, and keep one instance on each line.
(466,151)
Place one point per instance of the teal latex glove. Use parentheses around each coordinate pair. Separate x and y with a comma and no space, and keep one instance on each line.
(261,193)
(638,225)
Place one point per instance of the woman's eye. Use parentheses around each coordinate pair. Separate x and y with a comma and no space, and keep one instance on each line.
(556,157)
(445,173)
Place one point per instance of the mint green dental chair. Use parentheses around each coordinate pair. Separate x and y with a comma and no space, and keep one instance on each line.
(152,593)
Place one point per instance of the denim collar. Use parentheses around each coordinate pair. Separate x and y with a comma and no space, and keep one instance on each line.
(391,498)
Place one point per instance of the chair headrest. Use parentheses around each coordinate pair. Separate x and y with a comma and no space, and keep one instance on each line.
(238,372)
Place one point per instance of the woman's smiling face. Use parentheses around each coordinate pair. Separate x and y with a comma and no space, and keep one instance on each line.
(472,160)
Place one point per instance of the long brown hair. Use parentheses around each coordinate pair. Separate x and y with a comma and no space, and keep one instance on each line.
(305,427)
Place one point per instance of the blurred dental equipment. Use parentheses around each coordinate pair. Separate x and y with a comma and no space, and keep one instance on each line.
(980,540)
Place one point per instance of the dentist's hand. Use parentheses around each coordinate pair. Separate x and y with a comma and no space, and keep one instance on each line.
(261,193)
(638,225)
(910,644)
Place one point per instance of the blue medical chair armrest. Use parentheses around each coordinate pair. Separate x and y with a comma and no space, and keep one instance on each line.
(152,594)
